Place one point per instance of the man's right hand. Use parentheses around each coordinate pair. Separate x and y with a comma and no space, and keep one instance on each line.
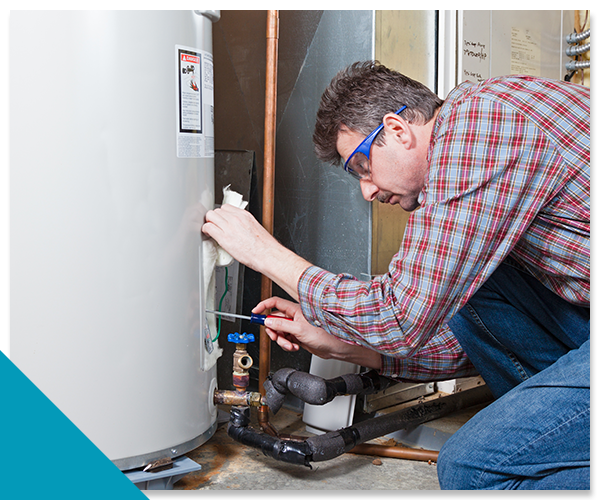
(291,335)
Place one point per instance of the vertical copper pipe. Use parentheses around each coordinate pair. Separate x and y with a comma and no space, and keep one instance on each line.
(269,174)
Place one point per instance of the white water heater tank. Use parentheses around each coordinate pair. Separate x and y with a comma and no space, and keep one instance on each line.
(111,172)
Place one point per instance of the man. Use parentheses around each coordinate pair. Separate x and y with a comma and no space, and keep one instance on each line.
(497,258)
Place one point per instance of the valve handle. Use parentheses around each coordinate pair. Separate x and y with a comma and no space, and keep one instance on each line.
(240,338)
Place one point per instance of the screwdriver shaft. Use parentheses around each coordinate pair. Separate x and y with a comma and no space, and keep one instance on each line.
(229,314)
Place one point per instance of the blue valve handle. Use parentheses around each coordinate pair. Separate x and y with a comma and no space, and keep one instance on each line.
(240,338)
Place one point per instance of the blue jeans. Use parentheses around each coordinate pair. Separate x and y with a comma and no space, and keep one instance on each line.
(532,348)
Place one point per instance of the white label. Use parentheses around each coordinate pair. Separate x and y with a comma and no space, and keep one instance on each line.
(525,53)
(195,103)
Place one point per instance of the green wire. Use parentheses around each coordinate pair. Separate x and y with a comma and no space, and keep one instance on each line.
(221,303)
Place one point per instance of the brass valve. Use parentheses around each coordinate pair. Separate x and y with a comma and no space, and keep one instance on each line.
(242,361)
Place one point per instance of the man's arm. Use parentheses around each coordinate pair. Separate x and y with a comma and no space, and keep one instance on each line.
(441,358)
(242,236)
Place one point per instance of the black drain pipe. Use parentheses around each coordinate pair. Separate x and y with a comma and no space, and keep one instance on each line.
(295,452)
(335,443)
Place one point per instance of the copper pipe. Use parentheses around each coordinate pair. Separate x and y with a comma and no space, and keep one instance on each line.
(395,452)
(263,421)
(269,175)
(236,398)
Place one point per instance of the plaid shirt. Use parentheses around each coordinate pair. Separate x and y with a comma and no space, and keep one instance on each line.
(508,176)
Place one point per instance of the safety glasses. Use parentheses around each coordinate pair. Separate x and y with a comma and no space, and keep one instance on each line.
(358,164)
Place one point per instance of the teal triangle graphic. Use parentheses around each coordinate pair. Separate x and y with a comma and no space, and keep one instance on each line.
(43,454)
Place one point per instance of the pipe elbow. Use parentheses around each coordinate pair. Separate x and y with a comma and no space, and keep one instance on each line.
(316,390)
(285,451)
(306,387)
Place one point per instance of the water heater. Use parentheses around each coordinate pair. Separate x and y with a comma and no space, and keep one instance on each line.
(111,172)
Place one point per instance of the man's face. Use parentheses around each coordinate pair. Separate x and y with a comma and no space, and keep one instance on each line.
(397,169)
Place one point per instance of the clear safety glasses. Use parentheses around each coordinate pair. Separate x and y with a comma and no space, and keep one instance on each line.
(358,164)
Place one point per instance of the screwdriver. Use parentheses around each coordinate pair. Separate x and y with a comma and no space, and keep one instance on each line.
(255,318)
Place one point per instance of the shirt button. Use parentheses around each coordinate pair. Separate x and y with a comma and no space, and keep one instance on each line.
(318,323)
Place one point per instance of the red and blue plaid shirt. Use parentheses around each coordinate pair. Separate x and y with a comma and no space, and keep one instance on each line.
(509,174)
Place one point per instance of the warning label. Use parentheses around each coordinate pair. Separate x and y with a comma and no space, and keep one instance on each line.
(195,101)
(525,54)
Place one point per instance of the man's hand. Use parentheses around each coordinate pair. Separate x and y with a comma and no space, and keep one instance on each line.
(291,335)
(241,235)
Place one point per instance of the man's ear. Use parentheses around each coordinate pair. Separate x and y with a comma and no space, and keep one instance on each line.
(397,128)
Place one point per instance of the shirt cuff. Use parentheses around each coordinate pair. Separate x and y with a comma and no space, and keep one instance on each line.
(311,287)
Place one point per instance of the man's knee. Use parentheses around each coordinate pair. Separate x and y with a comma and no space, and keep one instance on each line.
(453,472)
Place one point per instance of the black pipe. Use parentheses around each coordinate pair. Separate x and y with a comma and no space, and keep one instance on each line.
(295,452)
(316,390)
(335,443)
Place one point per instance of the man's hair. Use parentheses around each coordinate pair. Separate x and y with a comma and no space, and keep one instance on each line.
(360,96)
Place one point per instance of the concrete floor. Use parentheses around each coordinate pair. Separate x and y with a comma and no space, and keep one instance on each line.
(229,465)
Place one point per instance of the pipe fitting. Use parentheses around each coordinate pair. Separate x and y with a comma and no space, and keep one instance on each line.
(241,363)
(286,451)
(237,398)
(242,360)
(316,390)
